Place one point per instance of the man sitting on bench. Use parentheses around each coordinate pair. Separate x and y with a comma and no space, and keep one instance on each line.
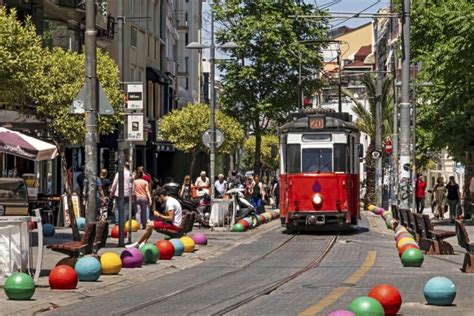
(171,220)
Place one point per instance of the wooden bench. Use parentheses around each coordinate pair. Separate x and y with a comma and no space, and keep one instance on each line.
(406,219)
(101,234)
(187,223)
(437,236)
(76,249)
(463,240)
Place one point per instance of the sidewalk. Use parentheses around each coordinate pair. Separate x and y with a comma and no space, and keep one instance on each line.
(46,299)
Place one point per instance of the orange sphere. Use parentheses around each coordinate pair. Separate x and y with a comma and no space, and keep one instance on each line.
(115,232)
(405,247)
(388,296)
(245,223)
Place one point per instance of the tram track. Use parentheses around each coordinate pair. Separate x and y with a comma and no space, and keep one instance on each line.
(255,293)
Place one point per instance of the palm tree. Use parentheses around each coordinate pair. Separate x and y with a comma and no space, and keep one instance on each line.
(366,121)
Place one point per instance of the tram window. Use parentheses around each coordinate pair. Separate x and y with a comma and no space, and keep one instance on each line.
(293,158)
(341,158)
(317,138)
(317,160)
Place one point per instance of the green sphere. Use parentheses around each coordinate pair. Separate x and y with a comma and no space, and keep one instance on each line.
(412,258)
(259,220)
(238,228)
(366,306)
(150,253)
(19,287)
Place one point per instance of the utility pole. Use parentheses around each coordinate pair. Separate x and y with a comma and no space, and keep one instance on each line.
(378,114)
(121,145)
(90,141)
(300,81)
(413,144)
(339,85)
(212,155)
(405,183)
(395,131)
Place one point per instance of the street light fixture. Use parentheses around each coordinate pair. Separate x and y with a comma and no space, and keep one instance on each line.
(212,127)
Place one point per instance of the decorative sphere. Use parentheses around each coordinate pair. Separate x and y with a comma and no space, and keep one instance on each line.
(412,258)
(341,312)
(201,238)
(365,305)
(115,232)
(388,296)
(403,235)
(263,218)
(19,287)
(277,212)
(258,219)
(386,214)
(244,223)
(131,258)
(178,246)
(378,211)
(81,223)
(405,247)
(48,230)
(371,207)
(88,269)
(439,291)
(166,249)
(404,241)
(250,221)
(135,226)
(400,229)
(150,253)
(188,243)
(63,277)
(110,263)
(238,228)
(268,216)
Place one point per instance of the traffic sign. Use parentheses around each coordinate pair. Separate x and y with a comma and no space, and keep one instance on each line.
(135,127)
(78,104)
(388,147)
(206,138)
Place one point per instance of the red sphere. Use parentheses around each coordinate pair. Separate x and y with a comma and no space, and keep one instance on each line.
(405,247)
(63,277)
(166,249)
(263,219)
(245,223)
(388,296)
(115,232)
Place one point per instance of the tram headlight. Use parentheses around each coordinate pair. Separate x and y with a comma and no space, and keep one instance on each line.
(317,199)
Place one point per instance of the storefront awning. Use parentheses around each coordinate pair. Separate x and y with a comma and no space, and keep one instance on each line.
(21,145)
(156,75)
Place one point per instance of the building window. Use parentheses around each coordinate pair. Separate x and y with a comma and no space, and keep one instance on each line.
(186,39)
(150,45)
(186,83)
(133,37)
(140,73)
(132,73)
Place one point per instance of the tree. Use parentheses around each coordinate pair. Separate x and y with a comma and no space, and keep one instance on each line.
(442,40)
(20,59)
(262,87)
(270,157)
(185,127)
(366,122)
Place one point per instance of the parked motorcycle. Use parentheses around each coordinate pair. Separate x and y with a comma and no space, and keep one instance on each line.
(240,207)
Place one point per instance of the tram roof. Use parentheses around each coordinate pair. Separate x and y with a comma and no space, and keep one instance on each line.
(333,121)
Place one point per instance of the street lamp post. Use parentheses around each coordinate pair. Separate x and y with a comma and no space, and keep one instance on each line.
(212,124)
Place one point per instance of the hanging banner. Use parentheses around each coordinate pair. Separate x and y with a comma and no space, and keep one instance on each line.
(135,127)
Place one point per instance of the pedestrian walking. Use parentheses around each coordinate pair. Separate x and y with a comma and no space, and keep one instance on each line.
(249,184)
(220,186)
(420,188)
(453,198)
(276,192)
(439,191)
(258,194)
(186,189)
(114,191)
(142,198)
(233,181)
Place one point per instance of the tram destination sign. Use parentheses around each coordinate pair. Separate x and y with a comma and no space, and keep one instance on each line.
(316,122)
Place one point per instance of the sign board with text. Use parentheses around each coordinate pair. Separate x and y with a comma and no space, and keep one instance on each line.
(135,96)
(135,127)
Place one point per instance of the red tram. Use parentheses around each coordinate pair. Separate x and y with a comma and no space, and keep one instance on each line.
(319,180)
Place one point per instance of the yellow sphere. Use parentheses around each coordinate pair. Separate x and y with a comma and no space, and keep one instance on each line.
(135,226)
(406,240)
(110,263)
(188,243)
(371,207)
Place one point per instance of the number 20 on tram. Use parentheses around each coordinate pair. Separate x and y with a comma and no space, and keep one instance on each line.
(319,180)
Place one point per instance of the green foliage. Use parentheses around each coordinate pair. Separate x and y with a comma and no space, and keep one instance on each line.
(64,77)
(270,157)
(442,40)
(261,86)
(184,128)
(20,59)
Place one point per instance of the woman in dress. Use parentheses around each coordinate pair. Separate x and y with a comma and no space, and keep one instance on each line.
(185,192)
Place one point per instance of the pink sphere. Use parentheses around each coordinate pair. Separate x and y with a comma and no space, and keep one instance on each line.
(131,258)
(199,239)
(378,211)
(341,312)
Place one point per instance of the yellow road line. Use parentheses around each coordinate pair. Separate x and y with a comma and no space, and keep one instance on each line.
(336,293)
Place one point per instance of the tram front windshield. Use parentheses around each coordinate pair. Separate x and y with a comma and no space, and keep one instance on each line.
(317,160)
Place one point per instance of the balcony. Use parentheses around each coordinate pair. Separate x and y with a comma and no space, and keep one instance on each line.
(183,66)
(182,20)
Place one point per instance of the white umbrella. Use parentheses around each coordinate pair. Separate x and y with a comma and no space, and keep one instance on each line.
(18,144)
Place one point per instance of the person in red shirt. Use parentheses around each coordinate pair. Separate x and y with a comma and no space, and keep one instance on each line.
(420,193)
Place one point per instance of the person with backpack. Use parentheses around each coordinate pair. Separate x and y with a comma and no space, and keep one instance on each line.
(453,198)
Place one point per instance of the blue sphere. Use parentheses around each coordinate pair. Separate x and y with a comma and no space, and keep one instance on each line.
(88,269)
(81,223)
(178,246)
(439,291)
(48,230)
